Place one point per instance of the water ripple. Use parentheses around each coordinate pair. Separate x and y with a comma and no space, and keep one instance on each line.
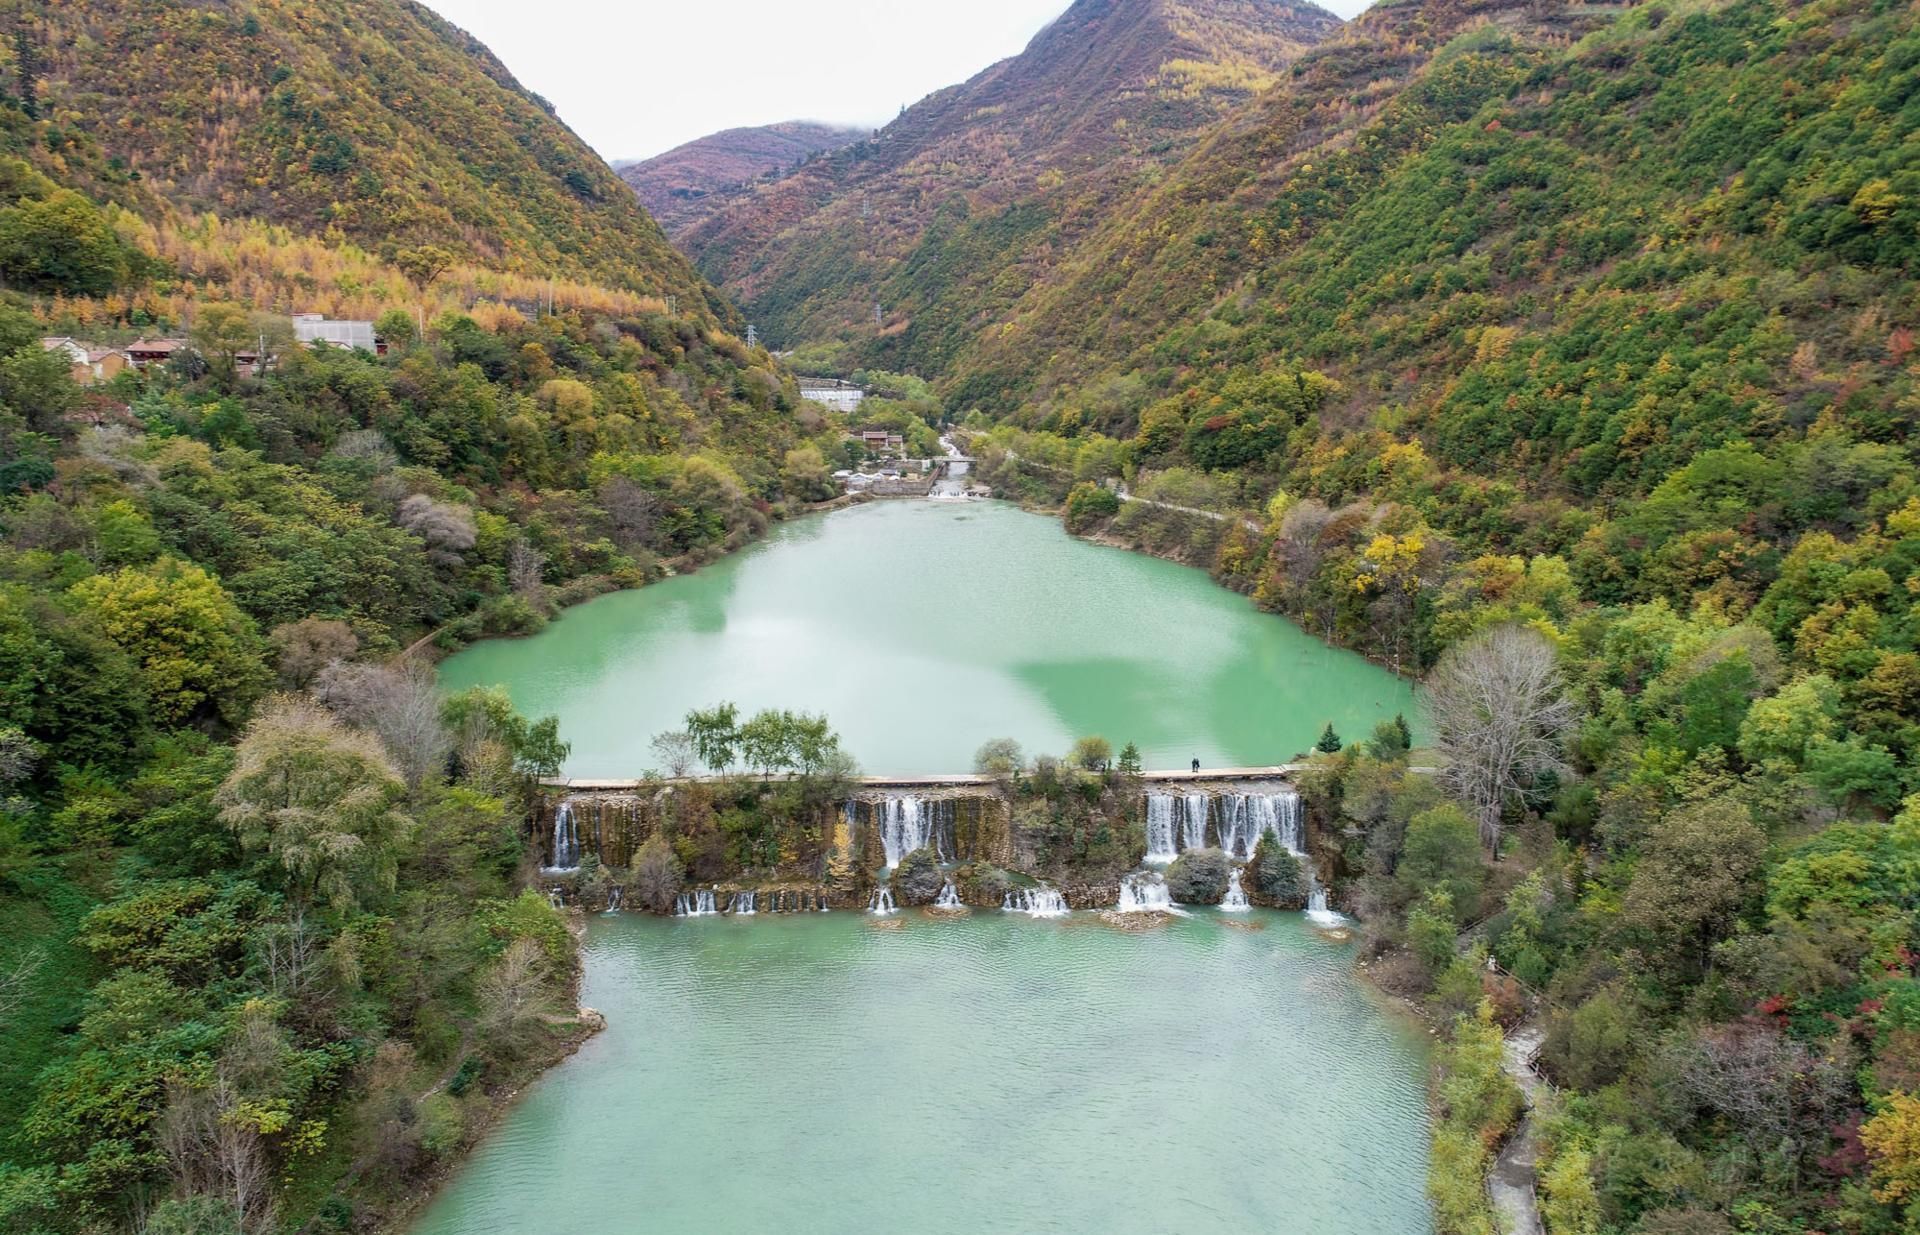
(984,1073)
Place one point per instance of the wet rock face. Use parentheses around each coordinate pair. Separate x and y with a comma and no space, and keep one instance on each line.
(1199,877)
(918,880)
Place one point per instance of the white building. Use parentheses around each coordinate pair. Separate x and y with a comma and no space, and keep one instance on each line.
(311,328)
(840,396)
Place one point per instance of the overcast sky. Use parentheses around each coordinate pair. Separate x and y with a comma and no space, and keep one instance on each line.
(641,77)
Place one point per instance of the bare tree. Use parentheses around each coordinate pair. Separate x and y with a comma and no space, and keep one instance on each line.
(19,755)
(213,1138)
(1298,551)
(447,527)
(16,982)
(400,705)
(369,446)
(675,752)
(310,645)
(116,447)
(1782,1097)
(292,955)
(526,567)
(631,512)
(512,993)
(1499,713)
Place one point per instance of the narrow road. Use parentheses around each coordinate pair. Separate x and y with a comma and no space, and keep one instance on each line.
(1513,1178)
(1252,525)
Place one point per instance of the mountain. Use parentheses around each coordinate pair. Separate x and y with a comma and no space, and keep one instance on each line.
(966,198)
(674,186)
(1267,182)
(1468,216)
(369,121)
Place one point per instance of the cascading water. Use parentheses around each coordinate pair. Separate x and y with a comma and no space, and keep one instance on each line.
(1162,844)
(949,897)
(1246,817)
(1145,892)
(695,905)
(743,904)
(1280,813)
(566,840)
(614,896)
(1235,901)
(882,902)
(907,824)
(1040,902)
(555,899)
(1193,821)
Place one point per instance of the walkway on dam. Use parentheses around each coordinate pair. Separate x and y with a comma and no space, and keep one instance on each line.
(955,780)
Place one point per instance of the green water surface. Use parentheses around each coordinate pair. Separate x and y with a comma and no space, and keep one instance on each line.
(922,629)
(819,1074)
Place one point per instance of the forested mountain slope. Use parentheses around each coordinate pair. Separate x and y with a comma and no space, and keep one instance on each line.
(675,186)
(1575,371)
(374,121)
(954,208)
(1460,244)
(265,961)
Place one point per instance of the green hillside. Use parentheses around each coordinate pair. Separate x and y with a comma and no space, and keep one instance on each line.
(374,121)
(1590,332)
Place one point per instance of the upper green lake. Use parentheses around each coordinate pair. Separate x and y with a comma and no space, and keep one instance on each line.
(810,1074)
(922,629)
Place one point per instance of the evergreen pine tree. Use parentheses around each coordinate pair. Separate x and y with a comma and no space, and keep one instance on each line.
(1329,743)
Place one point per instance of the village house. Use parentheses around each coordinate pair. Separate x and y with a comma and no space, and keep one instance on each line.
(92,363)
(882,441)
(145,353)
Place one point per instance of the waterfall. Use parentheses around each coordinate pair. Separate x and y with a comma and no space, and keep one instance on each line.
(907,824)
(1040,902)
(566,839)
(695,905)
(1145,892)
(949,897)
(1175,824)
(1161,846)
(1253,815)
(1246,817)
(882,902)
(555,900)
(1235,900)
(1193,821)
(614,896)
(743,904)
(1317,911)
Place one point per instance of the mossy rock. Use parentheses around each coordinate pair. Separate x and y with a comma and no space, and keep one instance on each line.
(918,879)
(1199,877)
(981,883)
(1275,877)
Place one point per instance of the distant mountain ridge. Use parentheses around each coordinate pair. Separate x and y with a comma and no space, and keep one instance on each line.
(982,183)
(673,185)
